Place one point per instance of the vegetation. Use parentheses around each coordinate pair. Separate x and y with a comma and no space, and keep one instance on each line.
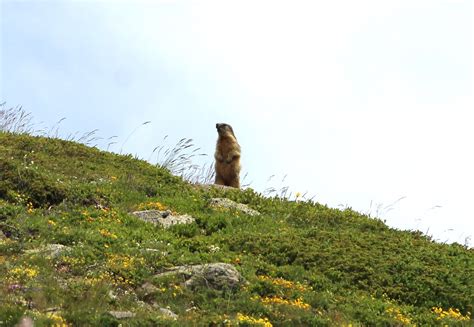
(305,264)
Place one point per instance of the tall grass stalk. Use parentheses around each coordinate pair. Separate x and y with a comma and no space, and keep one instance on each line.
(381,209)
(179,160)
(15,120)
(133,132)
(282,191)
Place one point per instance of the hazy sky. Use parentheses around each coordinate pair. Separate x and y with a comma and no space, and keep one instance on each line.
(357,102)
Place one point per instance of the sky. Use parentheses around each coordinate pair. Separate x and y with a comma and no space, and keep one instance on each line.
(358,103)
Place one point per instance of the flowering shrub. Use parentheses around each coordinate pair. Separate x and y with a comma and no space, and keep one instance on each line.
(248,320)
(451,313)
(151,206)
(285,283)
(298,303)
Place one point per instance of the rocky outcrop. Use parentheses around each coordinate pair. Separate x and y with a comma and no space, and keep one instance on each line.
(214,275)
(165,219)
(229,204)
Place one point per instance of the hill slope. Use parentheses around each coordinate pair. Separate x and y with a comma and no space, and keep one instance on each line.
(305,264)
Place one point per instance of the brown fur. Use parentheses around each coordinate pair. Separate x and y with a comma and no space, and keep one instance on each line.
(227,157)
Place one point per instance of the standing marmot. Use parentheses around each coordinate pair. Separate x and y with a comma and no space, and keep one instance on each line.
(227,157)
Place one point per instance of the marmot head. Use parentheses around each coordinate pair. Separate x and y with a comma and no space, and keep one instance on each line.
(224,129)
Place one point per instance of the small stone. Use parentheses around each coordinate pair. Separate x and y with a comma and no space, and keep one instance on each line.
(165,219)
(149,288)
(208,187)
(121,314)
(229,204)
(55,250)
(214,275)
(51,250)
(112,295)
(167,313)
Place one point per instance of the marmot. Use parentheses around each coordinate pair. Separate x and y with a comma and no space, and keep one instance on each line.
(227,157)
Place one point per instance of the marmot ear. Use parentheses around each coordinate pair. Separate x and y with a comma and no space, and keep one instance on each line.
(217,125)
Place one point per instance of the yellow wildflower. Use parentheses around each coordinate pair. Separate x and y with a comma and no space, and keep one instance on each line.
(284,283)
(151,205)
(23,273)
(399,316)
(107,277)
(58,321)
(253,321)
(123,262)
(299,303)
(108,234)
(29,207)
(451,313)
(72,261)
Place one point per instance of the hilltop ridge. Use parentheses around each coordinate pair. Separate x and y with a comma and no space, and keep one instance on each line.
(304,264)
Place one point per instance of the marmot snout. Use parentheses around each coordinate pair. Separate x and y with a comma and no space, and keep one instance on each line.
(227,157)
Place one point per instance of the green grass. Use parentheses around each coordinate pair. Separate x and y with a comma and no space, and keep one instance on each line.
(306,264)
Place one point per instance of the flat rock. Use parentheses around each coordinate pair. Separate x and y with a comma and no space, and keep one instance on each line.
(214,275)
(50,250)
(121,314)
(229,204)
(167,313)
(165,219)
(148,288)
(216,186)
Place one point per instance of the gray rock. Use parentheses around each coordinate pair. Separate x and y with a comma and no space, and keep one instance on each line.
(214,275)
(149,288)
(207,187)
(112,296)
(50,250)
(167,313)
(229,204)
(121,314)
(163,218)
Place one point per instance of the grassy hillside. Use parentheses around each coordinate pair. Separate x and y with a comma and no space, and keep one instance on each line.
(305,264)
